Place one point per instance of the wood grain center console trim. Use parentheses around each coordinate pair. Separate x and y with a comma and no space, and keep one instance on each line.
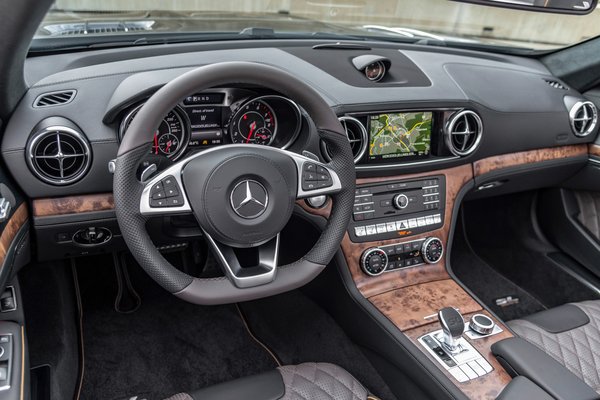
(411,306)
(490,164)
(73,204)
(16,221)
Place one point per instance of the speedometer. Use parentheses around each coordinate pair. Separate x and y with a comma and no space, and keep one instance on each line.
(254,122)
(170,138)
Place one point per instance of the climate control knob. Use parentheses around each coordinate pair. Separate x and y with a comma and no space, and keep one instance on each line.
(373,261)
(401,201)
(432,250)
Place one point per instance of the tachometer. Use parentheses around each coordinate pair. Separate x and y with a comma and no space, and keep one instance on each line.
(254,122)
(170,139)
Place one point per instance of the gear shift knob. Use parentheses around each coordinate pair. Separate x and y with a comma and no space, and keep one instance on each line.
(453,326)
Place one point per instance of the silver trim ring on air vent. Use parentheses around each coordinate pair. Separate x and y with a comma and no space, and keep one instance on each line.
(57,98)
(364,137)
(60,155)
(469,130)
(588,120)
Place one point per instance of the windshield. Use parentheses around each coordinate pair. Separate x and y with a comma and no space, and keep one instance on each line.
(402,20)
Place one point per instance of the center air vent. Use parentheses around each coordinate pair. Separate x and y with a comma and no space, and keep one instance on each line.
(583,117)
(58,155)
(357,136)
(463,132)
(54,98)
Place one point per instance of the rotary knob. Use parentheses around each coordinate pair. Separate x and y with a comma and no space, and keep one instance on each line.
(401,201)
(482,324)
(374,261)
(432,250)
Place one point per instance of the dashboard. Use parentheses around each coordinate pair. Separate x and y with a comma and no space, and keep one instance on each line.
(430,111)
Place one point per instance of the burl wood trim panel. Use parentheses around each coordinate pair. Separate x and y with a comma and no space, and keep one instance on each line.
(594,150)
(486,387)
(9,233)
(73,204)
(408,307)
(494,163)
(370,286)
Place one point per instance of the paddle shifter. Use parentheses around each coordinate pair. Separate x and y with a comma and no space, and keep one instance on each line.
(453,327)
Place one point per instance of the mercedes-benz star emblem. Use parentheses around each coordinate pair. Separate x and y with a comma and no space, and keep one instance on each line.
(249,199)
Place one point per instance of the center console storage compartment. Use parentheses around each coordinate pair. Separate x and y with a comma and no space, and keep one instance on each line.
(521,358)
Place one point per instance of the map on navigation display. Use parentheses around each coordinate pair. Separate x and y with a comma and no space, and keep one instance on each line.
(400,135)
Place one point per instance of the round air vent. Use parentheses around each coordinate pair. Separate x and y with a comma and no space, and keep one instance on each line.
(463,132)
(583,117)
(357,136)
(59,155)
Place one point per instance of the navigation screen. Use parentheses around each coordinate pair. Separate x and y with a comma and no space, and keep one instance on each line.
(400,135)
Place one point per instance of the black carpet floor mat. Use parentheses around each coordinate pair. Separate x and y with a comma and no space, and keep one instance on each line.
(499,251)
(169,346)
(298,330)
(165,347)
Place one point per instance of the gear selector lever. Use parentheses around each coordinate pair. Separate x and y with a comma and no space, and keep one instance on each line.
(453,326)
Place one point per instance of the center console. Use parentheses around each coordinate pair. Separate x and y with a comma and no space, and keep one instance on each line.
(395,253)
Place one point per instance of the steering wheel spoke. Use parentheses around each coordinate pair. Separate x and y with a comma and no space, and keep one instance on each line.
(250,276)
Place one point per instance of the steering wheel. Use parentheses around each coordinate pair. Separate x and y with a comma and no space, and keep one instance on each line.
(241,195)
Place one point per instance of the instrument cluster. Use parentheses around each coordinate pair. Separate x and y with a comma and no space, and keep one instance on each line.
(223,116)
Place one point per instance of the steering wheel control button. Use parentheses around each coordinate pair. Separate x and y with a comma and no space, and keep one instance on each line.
(432,250)
(482,324)
(166,193)
(374,261)
(315,177)
(249,199)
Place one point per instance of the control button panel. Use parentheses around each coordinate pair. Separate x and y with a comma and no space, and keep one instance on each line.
(315,177)
(166,193)
(429,222)
(377,260)
(464,365)
(398,209)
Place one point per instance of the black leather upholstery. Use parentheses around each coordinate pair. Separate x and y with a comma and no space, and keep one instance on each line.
(521,358)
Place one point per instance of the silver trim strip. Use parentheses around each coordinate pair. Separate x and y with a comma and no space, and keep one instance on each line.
(268,255)
(176,170)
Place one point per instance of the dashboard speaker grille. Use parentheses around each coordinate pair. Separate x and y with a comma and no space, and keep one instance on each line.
(357,136)
(463,132)
(59,155)
(54,98)
(584,118)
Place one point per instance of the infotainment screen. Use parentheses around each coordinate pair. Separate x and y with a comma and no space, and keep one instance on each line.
(396,135)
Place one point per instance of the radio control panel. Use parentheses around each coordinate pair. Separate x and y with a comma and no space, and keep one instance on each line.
(398,209)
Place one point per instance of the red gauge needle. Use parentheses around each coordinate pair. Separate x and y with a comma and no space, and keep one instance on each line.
(169,143)
(252,128)
(156,142)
